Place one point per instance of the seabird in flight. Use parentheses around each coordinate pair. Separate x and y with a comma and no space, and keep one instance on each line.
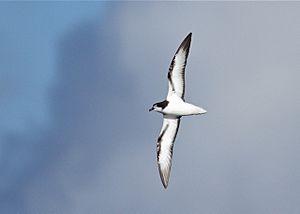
(173,108)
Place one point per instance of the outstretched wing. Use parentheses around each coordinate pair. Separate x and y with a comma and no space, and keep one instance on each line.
(177,68)
(164,147)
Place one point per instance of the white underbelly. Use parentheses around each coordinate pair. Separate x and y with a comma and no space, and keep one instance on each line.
(183,109)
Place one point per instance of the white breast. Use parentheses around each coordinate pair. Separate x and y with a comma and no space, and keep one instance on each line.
(178,107)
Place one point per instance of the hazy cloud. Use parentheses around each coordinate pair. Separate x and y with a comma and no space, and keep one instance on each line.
(241,157)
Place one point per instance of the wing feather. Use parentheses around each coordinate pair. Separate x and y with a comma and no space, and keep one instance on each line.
(176,72)
(165,145)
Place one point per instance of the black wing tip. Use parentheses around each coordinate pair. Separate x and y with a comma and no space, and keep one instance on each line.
(188,38)
(185,45)
(164,177)
(165,185)
(165,181)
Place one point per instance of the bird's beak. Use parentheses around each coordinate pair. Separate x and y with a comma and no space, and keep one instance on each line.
(151,109)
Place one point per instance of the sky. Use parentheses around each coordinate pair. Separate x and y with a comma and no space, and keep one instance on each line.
(77,80)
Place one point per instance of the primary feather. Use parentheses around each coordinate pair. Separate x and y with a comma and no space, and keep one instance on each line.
(177,68)
(165,143)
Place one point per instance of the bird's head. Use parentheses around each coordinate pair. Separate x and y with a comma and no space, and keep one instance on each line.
(155,108)
(159,106)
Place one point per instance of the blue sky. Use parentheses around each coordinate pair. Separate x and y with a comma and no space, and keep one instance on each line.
(29,40)
(77,80)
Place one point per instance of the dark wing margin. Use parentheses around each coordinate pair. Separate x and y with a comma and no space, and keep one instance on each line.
(165,144)
(176,74)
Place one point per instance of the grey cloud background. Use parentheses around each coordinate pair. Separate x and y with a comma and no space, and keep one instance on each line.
(98,156)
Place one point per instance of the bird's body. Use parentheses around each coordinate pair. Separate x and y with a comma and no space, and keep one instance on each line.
(173,108)
(177,107)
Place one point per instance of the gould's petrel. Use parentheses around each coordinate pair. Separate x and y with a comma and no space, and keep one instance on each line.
(173,108)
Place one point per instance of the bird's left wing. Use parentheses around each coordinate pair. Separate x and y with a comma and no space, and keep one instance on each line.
(177,68)
(164,147)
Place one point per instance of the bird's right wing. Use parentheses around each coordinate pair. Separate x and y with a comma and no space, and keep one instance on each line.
(177,68)
(164,147)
